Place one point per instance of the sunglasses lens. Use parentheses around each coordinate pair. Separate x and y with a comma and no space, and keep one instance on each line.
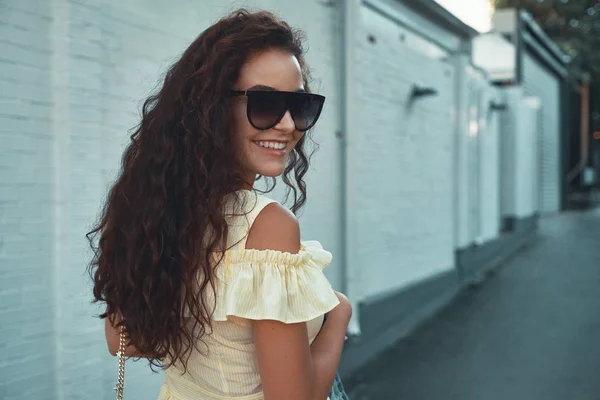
(265,108)
(305,109)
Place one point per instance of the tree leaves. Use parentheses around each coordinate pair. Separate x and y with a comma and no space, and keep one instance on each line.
(573,24)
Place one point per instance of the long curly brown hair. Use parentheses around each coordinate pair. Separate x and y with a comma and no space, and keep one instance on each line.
(155,257)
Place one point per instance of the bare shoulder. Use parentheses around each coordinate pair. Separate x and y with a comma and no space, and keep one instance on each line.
(282,350)
(275,228)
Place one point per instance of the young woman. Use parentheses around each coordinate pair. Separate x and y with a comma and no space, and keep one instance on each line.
(207,277)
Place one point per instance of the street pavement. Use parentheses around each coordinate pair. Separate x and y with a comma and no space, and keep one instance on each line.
(529,332)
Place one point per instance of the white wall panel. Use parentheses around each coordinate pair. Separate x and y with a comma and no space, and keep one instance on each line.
(519,155)
(540,82)
(490,166)
(476,158)
(404,163)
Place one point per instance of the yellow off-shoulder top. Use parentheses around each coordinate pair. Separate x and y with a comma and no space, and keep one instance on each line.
(250,285)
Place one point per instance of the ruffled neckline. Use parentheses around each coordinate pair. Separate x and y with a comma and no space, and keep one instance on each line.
(275,285)
(309,250)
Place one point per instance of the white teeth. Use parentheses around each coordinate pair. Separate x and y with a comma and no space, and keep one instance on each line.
(272,145)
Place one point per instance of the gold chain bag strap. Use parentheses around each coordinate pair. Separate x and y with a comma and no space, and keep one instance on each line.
(121,373)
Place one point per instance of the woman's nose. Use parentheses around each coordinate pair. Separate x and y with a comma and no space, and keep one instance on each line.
(287,123)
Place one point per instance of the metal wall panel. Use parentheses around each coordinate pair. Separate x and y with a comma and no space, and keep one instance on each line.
(541,83)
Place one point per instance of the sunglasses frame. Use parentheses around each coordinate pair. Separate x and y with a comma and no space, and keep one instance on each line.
(287,95)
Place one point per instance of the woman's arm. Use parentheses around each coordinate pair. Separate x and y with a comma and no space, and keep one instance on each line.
(326,349)
(290,368)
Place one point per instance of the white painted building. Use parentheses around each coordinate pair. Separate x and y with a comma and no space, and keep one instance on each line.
(424,123)
(478,208)
(408,175)
(72,81)
(400,158)
(519,53)
(520,155)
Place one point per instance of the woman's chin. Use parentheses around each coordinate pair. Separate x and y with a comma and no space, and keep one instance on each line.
(272,172)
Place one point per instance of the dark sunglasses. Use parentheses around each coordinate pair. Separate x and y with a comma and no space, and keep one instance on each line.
(267,107)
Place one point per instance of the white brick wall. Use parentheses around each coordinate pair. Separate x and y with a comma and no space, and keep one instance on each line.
(321,217)
(73,74)
(403,170)
(27,333)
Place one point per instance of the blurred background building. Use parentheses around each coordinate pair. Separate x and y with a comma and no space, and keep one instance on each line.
(449,130)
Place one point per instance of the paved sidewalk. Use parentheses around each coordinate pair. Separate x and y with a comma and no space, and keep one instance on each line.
(531,332)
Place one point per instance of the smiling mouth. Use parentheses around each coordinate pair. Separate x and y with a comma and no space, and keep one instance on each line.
(271,145)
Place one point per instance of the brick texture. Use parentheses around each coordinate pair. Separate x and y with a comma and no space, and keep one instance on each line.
(404,162)
(27,307)
(73,74)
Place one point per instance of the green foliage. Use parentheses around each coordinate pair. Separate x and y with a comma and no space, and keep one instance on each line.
(573,24)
